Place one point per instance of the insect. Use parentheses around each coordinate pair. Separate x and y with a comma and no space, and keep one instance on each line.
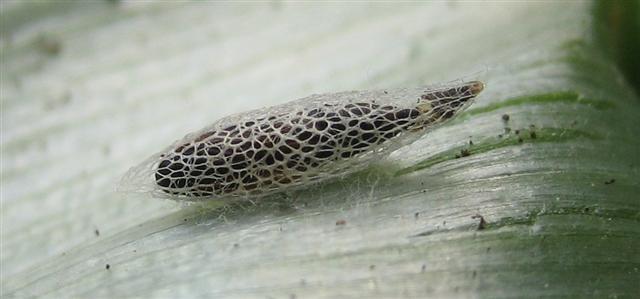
(309,140)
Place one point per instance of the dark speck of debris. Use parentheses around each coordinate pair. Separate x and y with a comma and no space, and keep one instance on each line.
(482,225)
(463,153)
(49,45)
(341,222)
(520,140)
(185,219)
(609,182)
(416,215)
(385,92)
(107,267)
(505,117)
(372,267)
(533,135)
(517,132)
(424,268)
(236,245)
(499,135)
(474,274)
(507,130)
(106,150)
(470,142)
(97,232)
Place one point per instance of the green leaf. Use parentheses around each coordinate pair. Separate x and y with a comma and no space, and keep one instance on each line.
(532,192)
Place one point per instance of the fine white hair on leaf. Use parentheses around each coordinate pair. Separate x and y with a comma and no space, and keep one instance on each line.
(284,147)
